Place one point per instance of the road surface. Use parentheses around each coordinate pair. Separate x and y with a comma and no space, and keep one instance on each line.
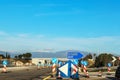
(24,73)
(31,73)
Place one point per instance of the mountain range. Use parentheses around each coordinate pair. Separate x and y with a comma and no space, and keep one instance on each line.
(58,54)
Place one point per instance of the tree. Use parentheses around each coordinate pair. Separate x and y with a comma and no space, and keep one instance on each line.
(89,56)
(24,55)
(28,55)
(103,59)
(16,57)
(20,56)
(94,55)
(2,55)
(8,56)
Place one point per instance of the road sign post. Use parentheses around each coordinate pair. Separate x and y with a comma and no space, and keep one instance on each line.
(74,67)
(109,69)
(58,72)
(54,61)
(69,70)
(5,62)
(85,63)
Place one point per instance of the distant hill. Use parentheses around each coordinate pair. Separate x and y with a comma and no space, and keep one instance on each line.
(58,54)
(2,52)
(12,54)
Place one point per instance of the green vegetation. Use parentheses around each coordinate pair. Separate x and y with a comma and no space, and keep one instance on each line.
(100,60)
(24,56)
(103,59)
(7,56)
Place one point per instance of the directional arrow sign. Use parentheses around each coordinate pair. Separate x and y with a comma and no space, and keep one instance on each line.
(85,63)
(64,69)
(68,70)
(54,60)
(114,59)
(74,55)
(75,61)
(109,64)
(82,62)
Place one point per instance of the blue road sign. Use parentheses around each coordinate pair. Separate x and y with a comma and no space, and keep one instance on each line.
(54,60)
(74,55)
(85,63)
(5,62)
(67,70)
(60,63)
(75,61)
(82,62)
(109,64)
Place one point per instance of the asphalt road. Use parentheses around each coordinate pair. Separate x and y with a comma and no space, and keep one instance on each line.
(31,73)
(93,76)
(26,73)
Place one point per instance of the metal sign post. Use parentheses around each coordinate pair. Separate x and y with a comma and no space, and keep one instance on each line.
(109,65)
(54,69)
(5,62)
(75,56)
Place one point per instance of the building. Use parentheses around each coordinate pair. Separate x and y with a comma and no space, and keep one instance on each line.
(46,60)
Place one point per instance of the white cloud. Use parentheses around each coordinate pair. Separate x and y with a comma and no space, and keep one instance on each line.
(98,44)
(40,43)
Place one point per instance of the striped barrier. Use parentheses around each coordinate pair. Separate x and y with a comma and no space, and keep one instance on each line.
(54,68)
(85,71)
(4,69)
(109,69)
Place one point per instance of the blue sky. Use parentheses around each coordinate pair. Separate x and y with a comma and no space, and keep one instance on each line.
(39,25)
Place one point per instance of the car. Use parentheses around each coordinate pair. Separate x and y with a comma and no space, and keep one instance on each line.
(117,73)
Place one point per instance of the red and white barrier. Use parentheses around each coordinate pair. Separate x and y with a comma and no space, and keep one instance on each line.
(85,71)
(54,68)
(75,69)
(109,69)
(4,69)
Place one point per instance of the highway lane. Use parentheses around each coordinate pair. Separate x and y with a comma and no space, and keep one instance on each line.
(31,73)
(27,73)
(93,76)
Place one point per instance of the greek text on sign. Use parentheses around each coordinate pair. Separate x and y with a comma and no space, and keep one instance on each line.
(74,55)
